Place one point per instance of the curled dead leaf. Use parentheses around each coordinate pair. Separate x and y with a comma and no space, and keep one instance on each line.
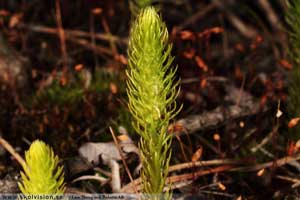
(239,198)
(201,64)
(198,154)
(260,172)
(15,20)
(293,148)
(217,137)
(122,59)
(285,64)
(187,35)
(78,67)
(293,122)
(203,83)
(97,11)
(242,124)
(190,53)
(208,32)
(221,186)
(113,88)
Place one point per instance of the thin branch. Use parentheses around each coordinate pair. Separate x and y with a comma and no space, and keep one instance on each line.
(245,29)
(61,34)
(123,160)
(276,163)
(100,50)
(179,178)
(207,163)
(73,33)
(271,15)
(229,166)
(194,18)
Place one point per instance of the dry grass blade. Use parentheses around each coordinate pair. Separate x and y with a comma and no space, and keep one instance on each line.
(123,160)
(12,151)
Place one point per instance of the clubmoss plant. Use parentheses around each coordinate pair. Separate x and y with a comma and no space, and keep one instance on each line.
(41,175)
(293,103)
(152,93)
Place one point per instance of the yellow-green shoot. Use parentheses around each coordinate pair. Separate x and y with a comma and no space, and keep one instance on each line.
(152,92)
(41,175)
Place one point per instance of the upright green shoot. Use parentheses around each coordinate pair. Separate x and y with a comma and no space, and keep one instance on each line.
(152,93)
(41,175)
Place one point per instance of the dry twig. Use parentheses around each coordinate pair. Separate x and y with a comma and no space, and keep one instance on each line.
(270,13)
(12,151)
(61,34)
(245,29)
(194,18)
(123,160)
(178,178)
(72,33)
